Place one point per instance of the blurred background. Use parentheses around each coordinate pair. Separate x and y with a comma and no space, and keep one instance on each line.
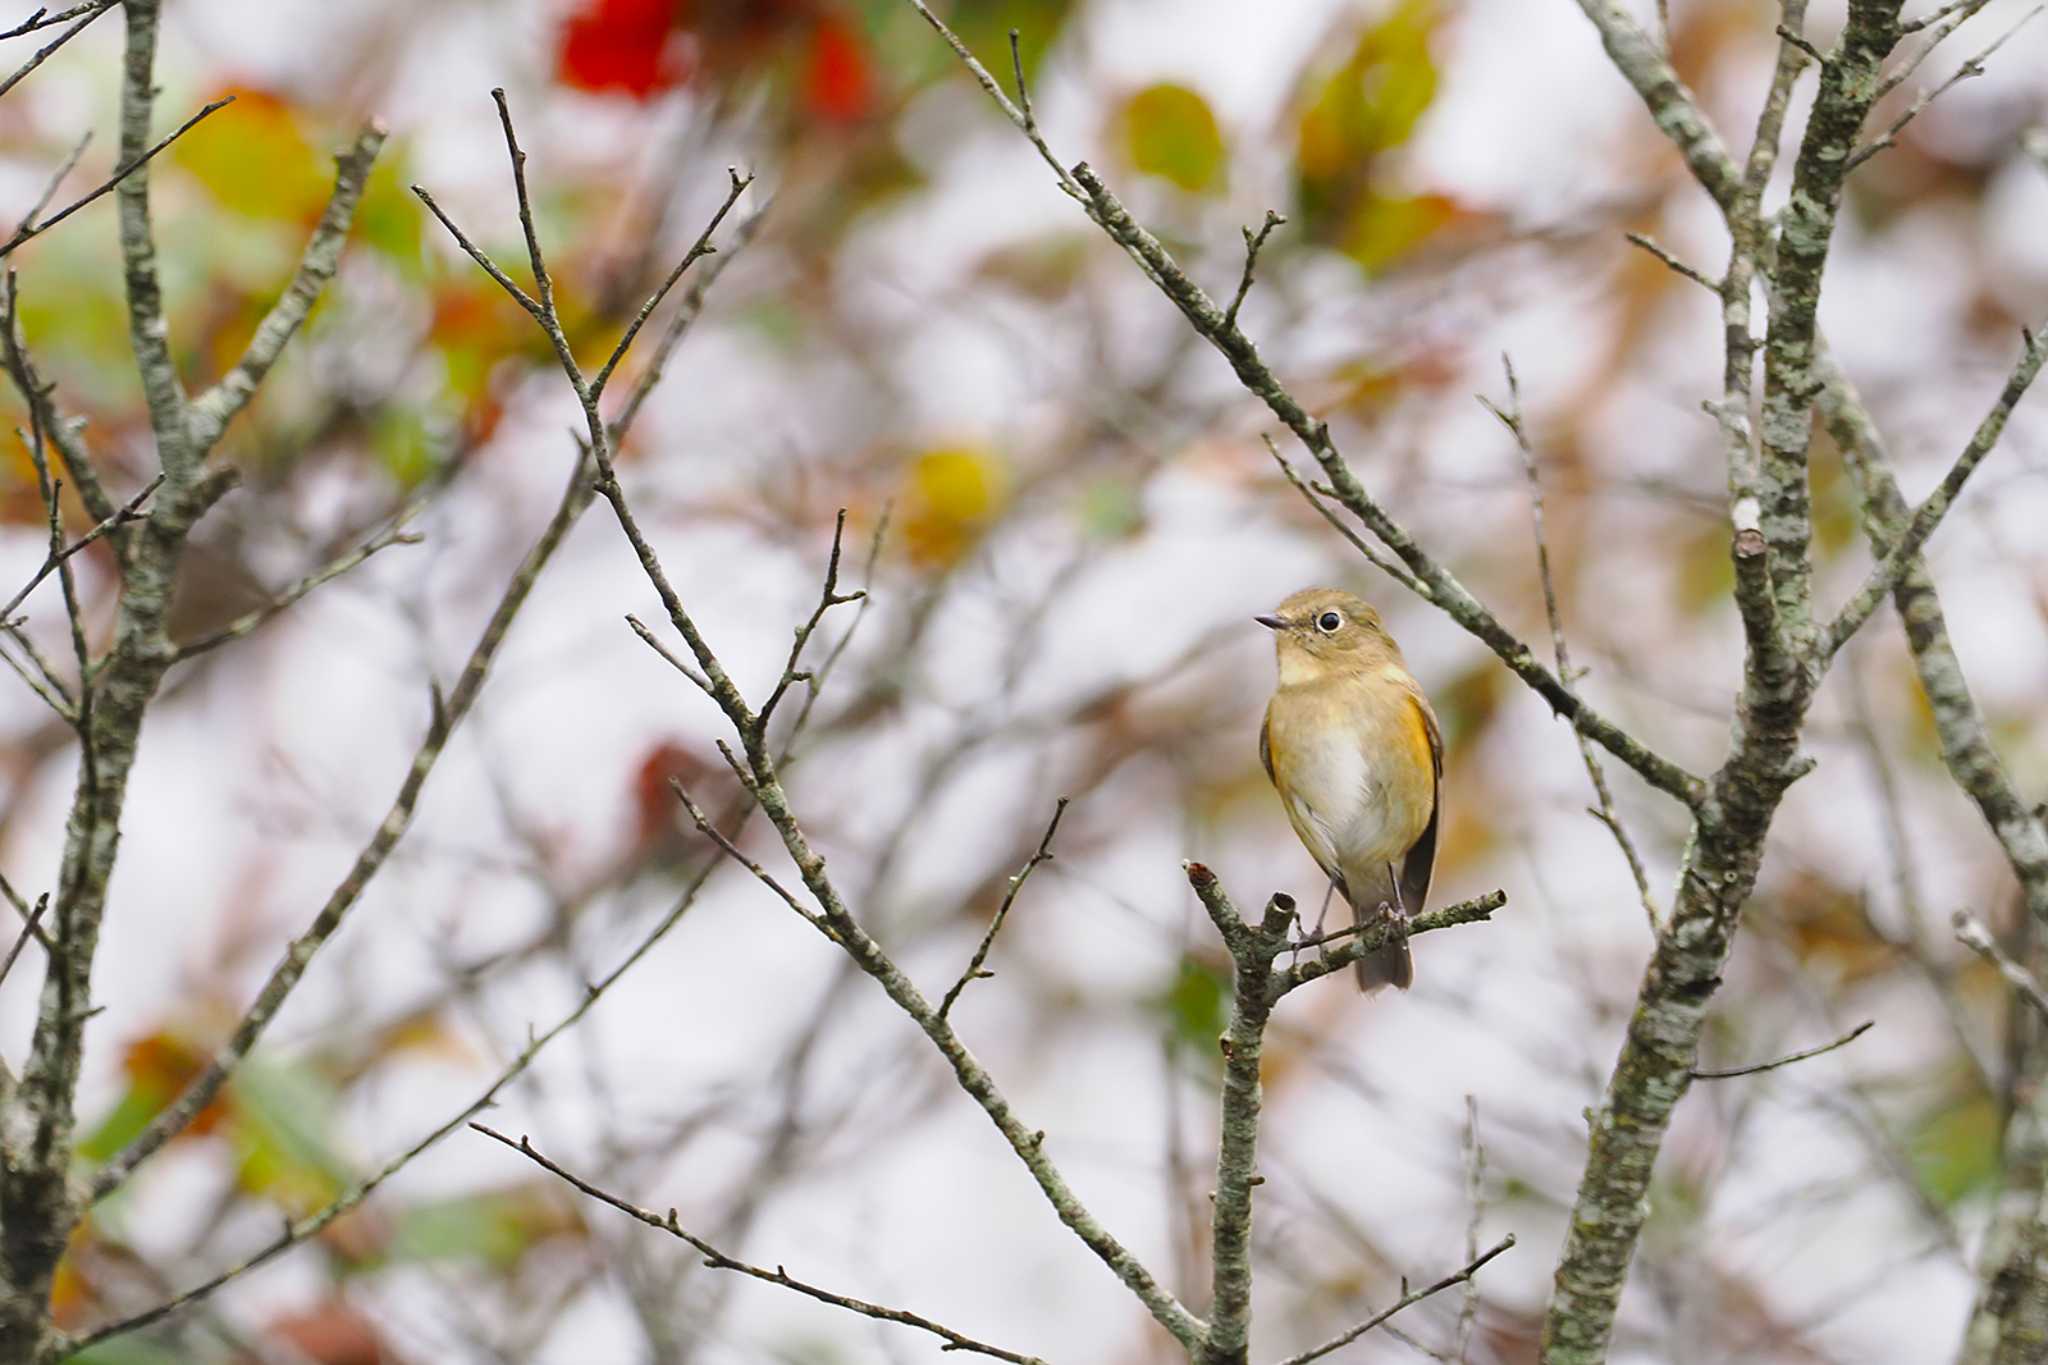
(1081,521)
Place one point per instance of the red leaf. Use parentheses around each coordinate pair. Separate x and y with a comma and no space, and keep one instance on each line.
(622,46)
(654,801)
(839,79)
(333,1334)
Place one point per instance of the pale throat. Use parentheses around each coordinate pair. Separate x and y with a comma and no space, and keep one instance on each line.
(1298,667)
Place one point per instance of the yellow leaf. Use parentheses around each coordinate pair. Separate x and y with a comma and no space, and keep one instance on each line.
(954,495)
(1169,131)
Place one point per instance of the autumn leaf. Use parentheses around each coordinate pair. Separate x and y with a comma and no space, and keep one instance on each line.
(1169,131)
(621,47)
(953,496)
(839,76)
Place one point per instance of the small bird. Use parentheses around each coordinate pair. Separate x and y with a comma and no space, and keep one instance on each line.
(1354,750)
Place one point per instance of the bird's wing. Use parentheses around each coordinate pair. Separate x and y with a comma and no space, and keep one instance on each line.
(1310,826)
(1266,745)
(1420,863)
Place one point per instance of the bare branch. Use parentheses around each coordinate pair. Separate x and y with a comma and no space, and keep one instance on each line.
(1475,1197)
(1851,1036)
(213,410)
(31,229)
(30,928)
(248,622)
(1970,931)
(299,954)
(700,248)
(703,684)
(40,18)
(1407,1300)
(128,512)
(148,332)
(718,1260)
(1209,321)
(1313,496)
(1605,813)
(974,970)
(36,394)
(686,314)
(21,908)
(829,598)
(1905,553)
(91,12)
(1679,267)
(310,1227)
(1969,69)
(1252,246)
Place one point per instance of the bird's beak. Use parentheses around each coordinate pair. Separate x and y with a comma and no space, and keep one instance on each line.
(1271,622)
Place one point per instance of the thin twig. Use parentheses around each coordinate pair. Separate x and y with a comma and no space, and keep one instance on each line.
(21,908)
(1446,592)
(42,18)
(1941,23)
(30,928)
(829,598)
(249,621)
(718,1260)
(700,248)
(214,409)
(1316,500)
(1851,1036)
(129,511)
(1651,245)
(44,51)
(975,970)
(681,666)
(1969,69)
(1971,932)
(733,850)
(1475,1198)
(1605,812)
(50,187)
(1905,553)
(1253,243)
(31,229)
(1407,1300)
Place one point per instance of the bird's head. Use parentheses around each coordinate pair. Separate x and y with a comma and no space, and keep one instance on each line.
(1320,631)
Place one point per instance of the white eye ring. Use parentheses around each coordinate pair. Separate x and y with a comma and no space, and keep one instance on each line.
(1329,623)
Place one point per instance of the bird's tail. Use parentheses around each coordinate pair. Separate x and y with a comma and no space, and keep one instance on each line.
(1386,966)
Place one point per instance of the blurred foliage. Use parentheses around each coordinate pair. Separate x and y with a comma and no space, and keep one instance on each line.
(1351,119)
(1196,1006)
(1954,1147)
(826,86)
(952,495)
(1169,131)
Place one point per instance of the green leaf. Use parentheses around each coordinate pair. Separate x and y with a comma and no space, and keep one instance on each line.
(496,1227)
(1353,116)
(1111,509)
(390,219)
(1169,131)
(1197,1004)
(405,446)
(256,160)
(282,1119)
(984,26)
(1955,1149)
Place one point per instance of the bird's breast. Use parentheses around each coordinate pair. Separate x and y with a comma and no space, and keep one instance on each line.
(1344,757)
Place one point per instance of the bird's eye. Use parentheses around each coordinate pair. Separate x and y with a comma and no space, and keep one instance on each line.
(1329,622)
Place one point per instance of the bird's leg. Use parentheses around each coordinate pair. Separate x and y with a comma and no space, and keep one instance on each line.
(1321,915)
(1396,912)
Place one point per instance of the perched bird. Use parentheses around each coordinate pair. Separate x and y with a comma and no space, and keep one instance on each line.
(1354,751)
